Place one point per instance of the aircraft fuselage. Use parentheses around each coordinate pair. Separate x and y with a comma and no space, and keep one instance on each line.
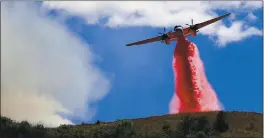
(178,30)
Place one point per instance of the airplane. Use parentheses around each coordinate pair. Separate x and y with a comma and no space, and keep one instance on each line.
(179,31)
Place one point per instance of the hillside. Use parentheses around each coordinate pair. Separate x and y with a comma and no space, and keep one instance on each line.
(195,125)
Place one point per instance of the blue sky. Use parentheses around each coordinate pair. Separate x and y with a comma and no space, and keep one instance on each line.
(142,77)
(97,77)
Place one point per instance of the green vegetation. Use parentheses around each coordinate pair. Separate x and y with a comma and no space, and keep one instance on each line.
(195,125)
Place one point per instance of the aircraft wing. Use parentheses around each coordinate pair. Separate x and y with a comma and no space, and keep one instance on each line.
(150,40)
(203,24)
(186,31)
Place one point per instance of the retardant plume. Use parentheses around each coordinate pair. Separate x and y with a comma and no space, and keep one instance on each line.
(193,92)
(47,73)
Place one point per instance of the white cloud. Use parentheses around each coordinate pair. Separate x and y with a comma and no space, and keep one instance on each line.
(159,14)
(45,69)
(235,5)
(235,33)
(251,16)
(232,17)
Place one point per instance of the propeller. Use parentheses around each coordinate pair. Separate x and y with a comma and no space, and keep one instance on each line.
(191,24)
(164,34)
(164,31)
(192,27)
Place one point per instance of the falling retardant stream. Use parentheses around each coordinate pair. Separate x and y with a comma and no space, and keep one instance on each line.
(192,91)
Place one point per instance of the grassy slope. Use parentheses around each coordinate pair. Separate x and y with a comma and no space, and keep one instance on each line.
(241,124)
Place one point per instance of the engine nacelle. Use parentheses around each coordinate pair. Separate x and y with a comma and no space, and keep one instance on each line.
(193,33)
(167,41)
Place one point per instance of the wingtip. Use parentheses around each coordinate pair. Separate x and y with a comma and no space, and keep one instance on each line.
(228,14)
(225,15)
(131,44)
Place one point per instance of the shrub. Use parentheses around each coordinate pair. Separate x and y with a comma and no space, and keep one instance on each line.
(250,126)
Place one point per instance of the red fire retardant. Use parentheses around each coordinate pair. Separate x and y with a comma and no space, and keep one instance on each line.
(192,92)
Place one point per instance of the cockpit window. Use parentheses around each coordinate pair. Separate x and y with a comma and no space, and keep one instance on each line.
(177,28)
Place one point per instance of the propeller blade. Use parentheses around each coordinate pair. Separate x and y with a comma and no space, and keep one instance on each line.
(192,21)
(164,30)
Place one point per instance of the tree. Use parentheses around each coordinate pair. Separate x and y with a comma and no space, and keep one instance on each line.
(98,122)
(167,129)
(193,127)
(184,127)
(124,129)
(201,134)
(221,124)
(24,129)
